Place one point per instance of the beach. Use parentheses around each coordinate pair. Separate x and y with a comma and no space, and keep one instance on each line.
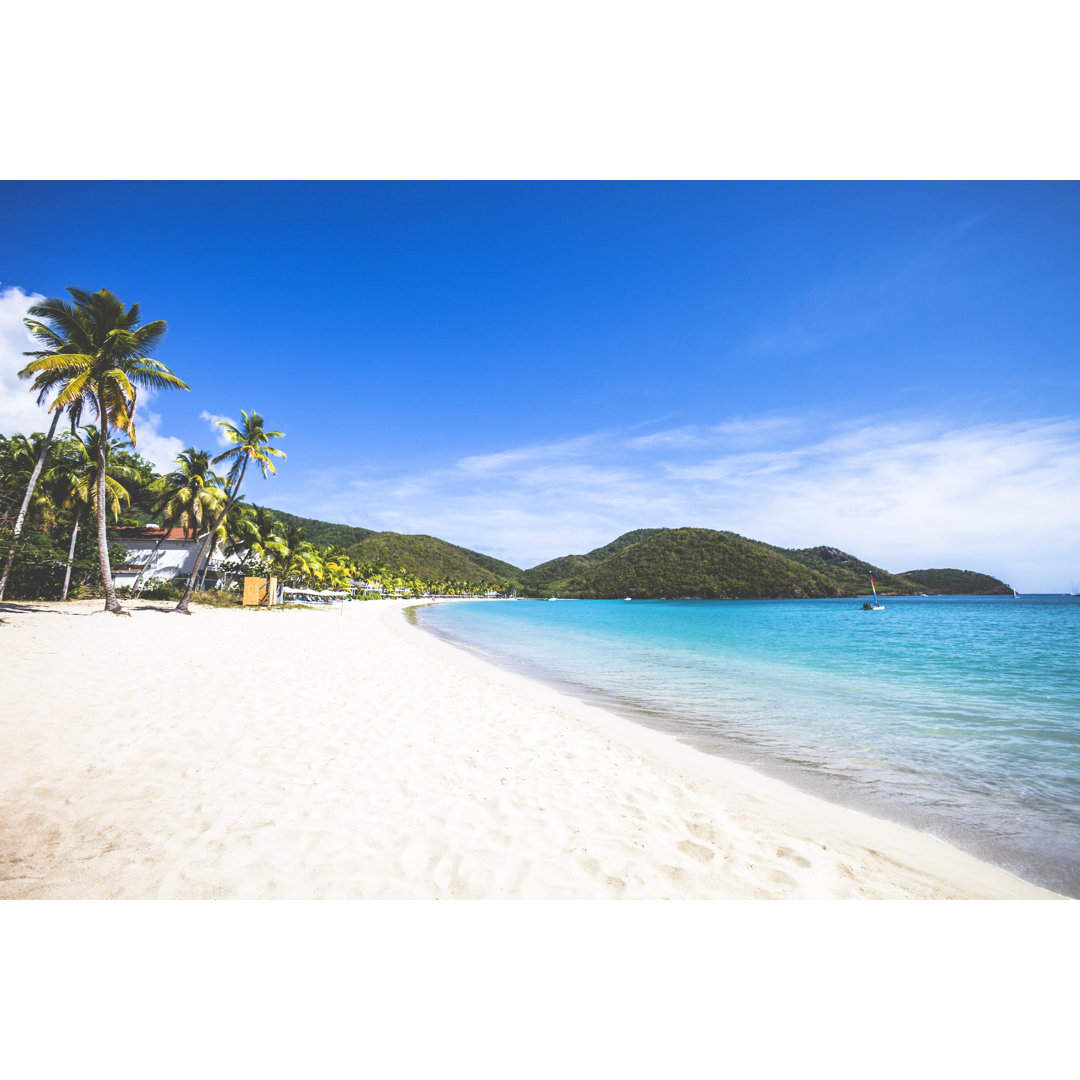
(345,753)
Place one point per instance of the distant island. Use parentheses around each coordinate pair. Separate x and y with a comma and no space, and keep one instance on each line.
(652,564)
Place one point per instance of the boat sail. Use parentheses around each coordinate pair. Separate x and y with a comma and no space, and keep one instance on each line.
(877,605)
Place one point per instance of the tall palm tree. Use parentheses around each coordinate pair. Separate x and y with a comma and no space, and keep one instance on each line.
(252,444)
(296,558)
(186,498)
(75,480)
(100,357)
(253,531)
(20,460)
(56,343)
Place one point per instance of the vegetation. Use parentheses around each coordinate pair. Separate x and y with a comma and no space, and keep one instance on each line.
(435,560)
(96,356)
(252,446)
(957,583)
(573,566)
(654,563)
(323,532)
(190,497)
(851,576)
(695,562)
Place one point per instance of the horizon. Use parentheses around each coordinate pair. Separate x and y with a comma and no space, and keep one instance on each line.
(530,370)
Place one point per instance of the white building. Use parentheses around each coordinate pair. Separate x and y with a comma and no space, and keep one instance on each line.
(173,560)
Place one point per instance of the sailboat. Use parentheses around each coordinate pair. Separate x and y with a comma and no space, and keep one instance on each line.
(877,605)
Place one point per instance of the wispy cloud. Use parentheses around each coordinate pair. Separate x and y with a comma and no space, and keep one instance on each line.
(215,426)
(869,297)
(548,452)
(150,442)
(18,411)
(900,491)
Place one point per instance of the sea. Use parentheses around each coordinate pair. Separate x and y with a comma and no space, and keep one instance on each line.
(957,715)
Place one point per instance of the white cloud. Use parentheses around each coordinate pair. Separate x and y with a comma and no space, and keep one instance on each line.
(489,463)
(149,442)
(901,492)
(18,411)
(214,422)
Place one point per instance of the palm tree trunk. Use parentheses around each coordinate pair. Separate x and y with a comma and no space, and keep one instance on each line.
(146,565)
(71,559)
(207,545)
(111,603)
(206,570)
(26,502)
(240,569)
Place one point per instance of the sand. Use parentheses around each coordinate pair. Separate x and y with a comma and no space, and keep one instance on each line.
(349,754)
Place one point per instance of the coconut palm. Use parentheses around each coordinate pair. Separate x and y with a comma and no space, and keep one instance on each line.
(187,498)
(252,445)
(254,531)
(74,480)
(18,462)
(98,358)
(297,559)
(45,383)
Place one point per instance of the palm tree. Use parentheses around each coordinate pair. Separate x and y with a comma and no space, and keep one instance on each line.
(296,556)
(45,383)
(185,498)
(99,358)
(76,482)
(253,531)
(252,444)
(20,459)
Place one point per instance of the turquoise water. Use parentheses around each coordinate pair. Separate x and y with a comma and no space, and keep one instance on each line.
(957,715)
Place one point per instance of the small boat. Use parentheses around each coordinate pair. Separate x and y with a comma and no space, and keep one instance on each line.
(627,597)
(877,605)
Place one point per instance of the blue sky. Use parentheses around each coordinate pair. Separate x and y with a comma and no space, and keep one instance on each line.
(530,369)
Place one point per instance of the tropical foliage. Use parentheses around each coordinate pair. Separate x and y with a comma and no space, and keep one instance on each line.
(251,447)
(950,582)
(96,356)
(705,563)
(254,540)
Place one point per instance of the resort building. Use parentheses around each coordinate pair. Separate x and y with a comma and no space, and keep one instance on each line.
(172,561)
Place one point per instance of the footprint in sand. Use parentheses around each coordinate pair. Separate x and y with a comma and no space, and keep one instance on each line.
(696,851)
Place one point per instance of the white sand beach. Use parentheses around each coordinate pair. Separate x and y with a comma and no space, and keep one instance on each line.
(348,754)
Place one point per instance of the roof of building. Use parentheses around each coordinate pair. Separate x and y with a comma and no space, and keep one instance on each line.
(151,532)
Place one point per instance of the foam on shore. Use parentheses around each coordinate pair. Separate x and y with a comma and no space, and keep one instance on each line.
(344,753)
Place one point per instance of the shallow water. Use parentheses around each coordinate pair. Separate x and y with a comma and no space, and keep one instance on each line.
(958,715)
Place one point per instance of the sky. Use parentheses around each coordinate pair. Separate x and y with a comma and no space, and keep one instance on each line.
(529,369)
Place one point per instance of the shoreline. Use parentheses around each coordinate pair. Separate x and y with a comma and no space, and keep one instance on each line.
(818,778)
(342,754)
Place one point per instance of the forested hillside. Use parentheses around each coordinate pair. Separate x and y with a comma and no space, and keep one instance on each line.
(703,563)
(949,582)
(323,532)
(433,559)
(848,573)
(572,565)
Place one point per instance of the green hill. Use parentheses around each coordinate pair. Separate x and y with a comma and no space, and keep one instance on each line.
(648,563)
(432,559)
(702,563)
(575,565)
(957,583)
(851,575)
(323,532)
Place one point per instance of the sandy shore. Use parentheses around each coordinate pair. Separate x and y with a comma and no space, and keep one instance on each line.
(306,753)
